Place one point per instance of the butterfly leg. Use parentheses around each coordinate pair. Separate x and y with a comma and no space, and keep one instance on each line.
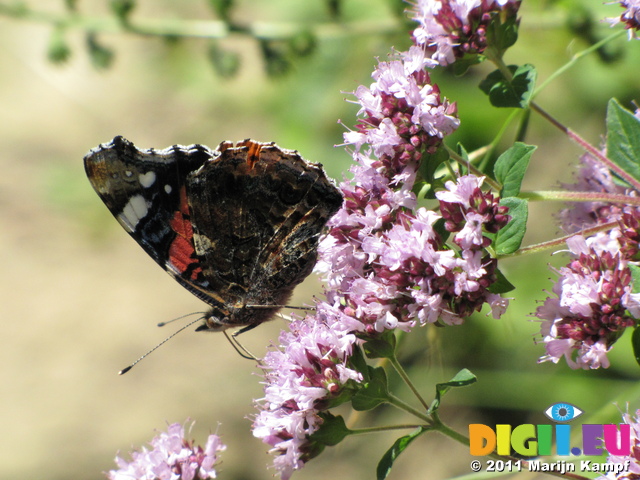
(238,347)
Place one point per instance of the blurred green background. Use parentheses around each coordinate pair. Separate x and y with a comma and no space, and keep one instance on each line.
(79,300)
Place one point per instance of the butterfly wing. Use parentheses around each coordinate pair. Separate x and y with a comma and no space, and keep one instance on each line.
(266,209)
(237,226)
(145,190)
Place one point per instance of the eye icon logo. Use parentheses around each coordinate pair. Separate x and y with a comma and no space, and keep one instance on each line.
(563,412)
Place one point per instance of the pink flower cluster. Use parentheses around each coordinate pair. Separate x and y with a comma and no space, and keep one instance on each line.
(449,29)
(301,379)
(593,301)
(385,265)
(388,268)
(172,457)
(402,114)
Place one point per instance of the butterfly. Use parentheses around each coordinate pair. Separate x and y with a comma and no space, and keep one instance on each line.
(237,226)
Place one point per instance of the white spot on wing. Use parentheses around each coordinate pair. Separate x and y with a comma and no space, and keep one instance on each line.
(167,188)
(135,210)
(202,244)
(147,179)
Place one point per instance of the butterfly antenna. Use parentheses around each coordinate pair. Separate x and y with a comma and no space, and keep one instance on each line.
(126,369)
(162,324)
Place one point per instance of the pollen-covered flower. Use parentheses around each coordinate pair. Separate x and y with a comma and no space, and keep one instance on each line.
(449,29)
(171,457)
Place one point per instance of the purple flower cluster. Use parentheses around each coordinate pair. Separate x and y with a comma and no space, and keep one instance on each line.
(172,457)
(385,265)
(590,309)
(393,270)
(301,379)
(449,29)
(593,301)
(402,114)
(630,17)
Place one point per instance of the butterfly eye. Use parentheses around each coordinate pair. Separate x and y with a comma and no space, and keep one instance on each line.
(563,412)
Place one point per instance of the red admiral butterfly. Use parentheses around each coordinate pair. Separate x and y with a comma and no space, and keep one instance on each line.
(237,226)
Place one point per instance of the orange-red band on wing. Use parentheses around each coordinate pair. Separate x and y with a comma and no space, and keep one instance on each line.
(182,249)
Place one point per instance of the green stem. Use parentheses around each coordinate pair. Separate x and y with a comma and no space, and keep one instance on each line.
(580,197)
(396,402)
(438,426)
(597,154)
(552,244)
(472,169)
(593,151)
(363,431)
(407,380)
(577,57)
(214,29)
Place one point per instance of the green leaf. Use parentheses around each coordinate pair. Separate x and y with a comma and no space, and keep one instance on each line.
(332,431)
(623,138)
(635,341)
(463,378)
(359,363)
(468,60)
(303,43)
(373,392)
(511,167)
(345,395)
(58,50)
(514,94)
(509,238)
(500,35)
(399,446)
(122,8)
(101,57)
(335,8)
(225,63)
(222,8)
(462,152)
(501,285)
(383,346)
(635,278)
(440,228)
(276,57)
(431,161)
